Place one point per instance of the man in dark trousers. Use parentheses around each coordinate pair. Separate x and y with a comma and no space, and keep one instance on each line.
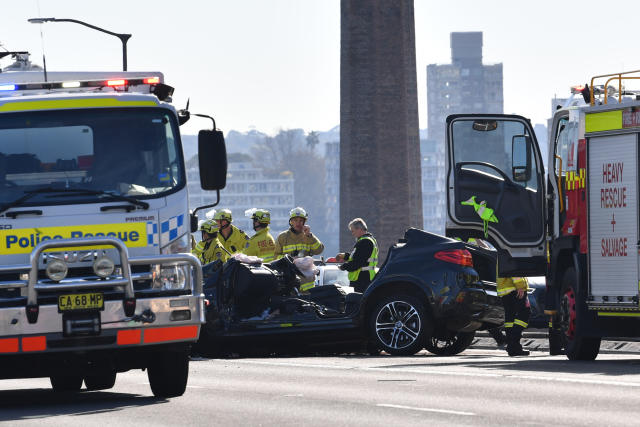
(362,262)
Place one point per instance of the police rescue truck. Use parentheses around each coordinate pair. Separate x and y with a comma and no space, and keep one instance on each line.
(578,224)
(96,276)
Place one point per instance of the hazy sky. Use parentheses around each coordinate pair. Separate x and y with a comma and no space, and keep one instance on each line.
(270,64)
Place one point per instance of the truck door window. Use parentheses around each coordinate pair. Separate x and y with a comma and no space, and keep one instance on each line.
(490,141)
(561,160)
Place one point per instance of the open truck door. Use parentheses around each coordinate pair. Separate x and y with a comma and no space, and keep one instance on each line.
(496,158)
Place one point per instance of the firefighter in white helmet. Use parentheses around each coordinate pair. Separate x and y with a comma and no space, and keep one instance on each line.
(298,241)
(261,244)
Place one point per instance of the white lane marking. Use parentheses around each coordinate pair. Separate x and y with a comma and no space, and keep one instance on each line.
(195,386)
(450,373)
(411,408)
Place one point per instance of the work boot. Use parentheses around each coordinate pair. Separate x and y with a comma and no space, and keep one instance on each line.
(498,335)
(513,342)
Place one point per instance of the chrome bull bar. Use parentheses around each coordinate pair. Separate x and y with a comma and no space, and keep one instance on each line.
(33,285)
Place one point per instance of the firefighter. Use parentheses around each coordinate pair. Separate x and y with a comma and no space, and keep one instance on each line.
(232,238)
(298,241)
(261,244)
(209,249)
(362,262)
(513,291)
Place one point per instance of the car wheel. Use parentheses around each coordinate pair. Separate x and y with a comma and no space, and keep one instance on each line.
(448,346)
(66,383)
(398,325)
(168,373)
(102,381)
(571,314)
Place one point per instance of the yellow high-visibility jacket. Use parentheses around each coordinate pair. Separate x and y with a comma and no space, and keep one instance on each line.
(507,285)
(262,245)
(297,244)
(210,251)
(237,241)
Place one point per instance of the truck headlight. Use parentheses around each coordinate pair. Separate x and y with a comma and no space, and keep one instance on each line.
(56,270)
(179,245)
(169,278)
(103,267)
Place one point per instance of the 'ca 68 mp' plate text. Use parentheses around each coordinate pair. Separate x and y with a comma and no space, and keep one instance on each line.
(89,301)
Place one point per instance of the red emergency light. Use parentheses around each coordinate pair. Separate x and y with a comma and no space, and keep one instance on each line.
(119,82)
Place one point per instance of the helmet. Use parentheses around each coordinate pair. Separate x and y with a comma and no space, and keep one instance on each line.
(210,214)
(298,213)
(223,214)
(261,215)
(209,226)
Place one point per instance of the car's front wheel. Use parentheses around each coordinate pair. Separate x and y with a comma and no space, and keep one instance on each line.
(398,325)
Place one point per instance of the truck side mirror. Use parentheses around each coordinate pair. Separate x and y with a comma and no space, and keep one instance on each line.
(212,159)
(521,158)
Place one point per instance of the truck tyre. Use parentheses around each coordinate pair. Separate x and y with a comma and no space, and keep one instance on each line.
(572,312)
(454,344)
(398,324)
(168,373)
(101,381)
(66,383)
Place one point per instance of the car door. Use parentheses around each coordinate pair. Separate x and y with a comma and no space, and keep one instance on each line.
(494,162)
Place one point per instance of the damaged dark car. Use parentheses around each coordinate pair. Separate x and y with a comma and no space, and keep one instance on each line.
(431,292)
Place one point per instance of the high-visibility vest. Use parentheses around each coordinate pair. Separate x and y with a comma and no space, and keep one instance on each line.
(372,260)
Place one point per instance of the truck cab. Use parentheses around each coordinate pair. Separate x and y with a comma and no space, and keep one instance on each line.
(578,225)
(96,275)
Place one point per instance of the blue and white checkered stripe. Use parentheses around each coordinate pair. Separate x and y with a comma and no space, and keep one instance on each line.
(171,229)
(153,237)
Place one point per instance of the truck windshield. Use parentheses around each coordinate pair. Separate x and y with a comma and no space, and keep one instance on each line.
(127,152)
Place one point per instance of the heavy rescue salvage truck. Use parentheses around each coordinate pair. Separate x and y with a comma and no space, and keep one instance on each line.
(578,224)
(96,276)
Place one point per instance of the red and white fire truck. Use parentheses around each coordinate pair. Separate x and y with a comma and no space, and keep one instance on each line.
(578,224)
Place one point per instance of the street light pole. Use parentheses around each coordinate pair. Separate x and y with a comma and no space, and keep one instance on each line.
(123,37)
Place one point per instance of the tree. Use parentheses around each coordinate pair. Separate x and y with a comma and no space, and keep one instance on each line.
(290,150)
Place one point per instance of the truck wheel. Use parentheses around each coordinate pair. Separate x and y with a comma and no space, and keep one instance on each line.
(398,325)
(66,383)
(454,344)
(571,313)
(102,381)
(168,373)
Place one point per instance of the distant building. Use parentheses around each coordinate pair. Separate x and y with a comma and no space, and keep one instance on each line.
(464,86)
(247,187)
(332,194)
(433,185)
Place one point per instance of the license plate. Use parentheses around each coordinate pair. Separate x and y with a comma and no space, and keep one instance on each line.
(90,301)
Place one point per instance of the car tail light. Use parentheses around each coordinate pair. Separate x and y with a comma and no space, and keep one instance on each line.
(455,256)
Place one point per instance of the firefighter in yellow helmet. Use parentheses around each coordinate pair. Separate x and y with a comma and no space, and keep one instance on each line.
(232,238)
(298,241)
(210,248)
(261,244)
